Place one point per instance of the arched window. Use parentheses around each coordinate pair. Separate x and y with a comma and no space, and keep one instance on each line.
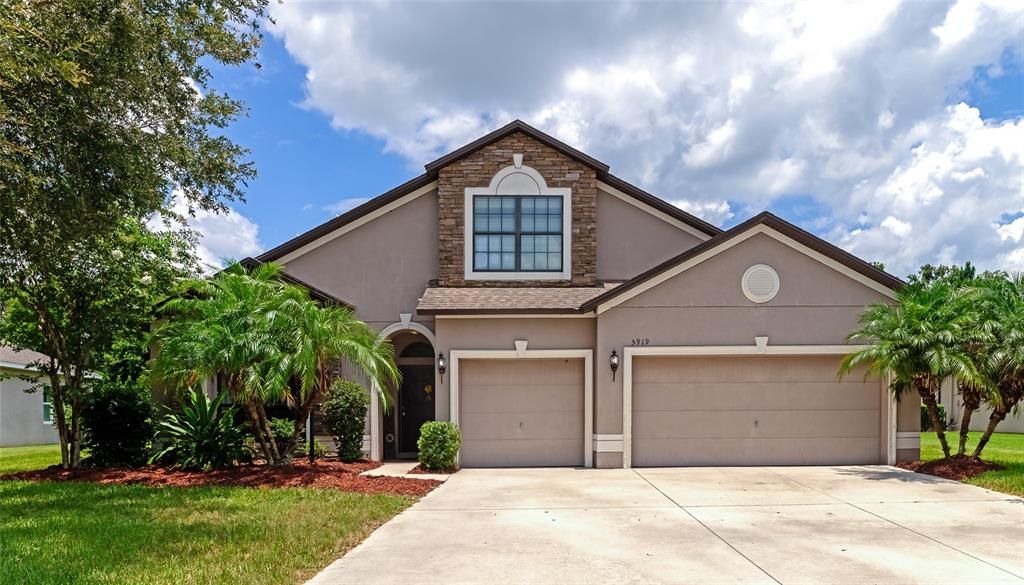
(417,349)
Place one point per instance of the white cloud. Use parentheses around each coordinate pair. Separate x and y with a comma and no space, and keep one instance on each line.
(1012,231)
(897,227)
(845,102)
(221,236)
(715,212)
(339,207)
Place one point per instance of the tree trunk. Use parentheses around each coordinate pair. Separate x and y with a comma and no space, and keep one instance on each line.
(993,421)
(972,400)
(926,389)
(257,431)
(271,443)
(57,393)
(300,422)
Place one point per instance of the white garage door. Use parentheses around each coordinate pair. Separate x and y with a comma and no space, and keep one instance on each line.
(777,410)
(521,413)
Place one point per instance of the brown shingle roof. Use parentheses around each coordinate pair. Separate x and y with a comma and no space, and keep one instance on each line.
(431,175)
(505,300)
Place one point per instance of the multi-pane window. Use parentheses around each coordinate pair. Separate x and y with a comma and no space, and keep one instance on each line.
(47,406)
(513,233)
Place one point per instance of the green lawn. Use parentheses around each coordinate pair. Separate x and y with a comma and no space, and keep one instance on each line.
(86,533)
(13,459)
(1006,449)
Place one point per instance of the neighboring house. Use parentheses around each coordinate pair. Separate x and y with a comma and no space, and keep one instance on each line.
(26,418)
(950,398)
(529,269)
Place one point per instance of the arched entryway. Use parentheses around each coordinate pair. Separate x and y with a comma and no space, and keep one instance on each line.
(413,400)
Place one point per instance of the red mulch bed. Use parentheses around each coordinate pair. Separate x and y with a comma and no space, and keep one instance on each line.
(420,469)
(322,474)
(958,468)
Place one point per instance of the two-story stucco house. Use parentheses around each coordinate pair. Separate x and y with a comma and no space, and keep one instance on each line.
(563,317)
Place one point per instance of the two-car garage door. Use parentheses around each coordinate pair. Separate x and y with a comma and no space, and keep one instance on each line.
(752,410)
(521,412)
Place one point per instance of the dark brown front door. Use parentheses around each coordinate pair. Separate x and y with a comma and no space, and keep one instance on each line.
(415,405)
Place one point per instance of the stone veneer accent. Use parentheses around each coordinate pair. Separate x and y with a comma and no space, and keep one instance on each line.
(477,169)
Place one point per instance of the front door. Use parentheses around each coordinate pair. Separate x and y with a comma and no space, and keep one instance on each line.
(415,405)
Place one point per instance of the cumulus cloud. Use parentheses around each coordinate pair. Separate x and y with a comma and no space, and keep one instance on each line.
(846,103)
(339,207)
(220,236)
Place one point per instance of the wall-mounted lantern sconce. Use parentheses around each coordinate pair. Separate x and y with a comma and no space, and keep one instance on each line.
(613,361)
(442,364)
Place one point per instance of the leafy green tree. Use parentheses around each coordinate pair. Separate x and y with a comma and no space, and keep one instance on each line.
(918,342)
(106,110)
(1001,301)
(95,306)
(269,341)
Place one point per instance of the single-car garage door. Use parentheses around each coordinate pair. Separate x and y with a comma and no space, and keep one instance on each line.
(521,413)
(764,410)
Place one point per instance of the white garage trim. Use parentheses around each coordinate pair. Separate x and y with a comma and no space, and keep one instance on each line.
(908,440)
(588,382)
(607,443)
(716,350)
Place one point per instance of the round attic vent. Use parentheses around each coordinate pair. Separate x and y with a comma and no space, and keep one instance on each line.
(760,283)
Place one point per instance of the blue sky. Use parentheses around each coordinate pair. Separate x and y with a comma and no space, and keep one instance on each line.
(872,126)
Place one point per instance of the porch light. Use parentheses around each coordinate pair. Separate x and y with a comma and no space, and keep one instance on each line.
(613,361)
(442,364)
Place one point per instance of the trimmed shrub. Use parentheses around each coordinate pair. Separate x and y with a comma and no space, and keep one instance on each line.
(202,436)
(439,444)
(283,429)
(117,427)
(344,411)
(926,419)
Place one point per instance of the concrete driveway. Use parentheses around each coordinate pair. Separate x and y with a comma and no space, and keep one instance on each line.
(695,525)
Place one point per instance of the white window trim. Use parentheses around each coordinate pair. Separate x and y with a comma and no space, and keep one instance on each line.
(587,355)
(888,440)
(43,414)
(759,229)
(494,189)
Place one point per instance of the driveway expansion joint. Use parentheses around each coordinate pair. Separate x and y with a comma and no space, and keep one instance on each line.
(708,528)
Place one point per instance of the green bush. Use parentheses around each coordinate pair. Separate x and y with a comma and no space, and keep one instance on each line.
(202,436)
(439,445)
(926,419)
(302,449)
(117,427)
(344,411)
(282,429)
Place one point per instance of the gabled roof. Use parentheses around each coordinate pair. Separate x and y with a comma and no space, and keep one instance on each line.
(431,174)
(769,220)
(315,293)
(512,128)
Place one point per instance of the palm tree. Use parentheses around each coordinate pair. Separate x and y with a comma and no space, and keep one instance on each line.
(318,339)
(1002,300)
(220,327)
(918,342)
(261,334)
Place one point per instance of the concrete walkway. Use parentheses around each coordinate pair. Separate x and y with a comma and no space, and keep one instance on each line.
(695,525)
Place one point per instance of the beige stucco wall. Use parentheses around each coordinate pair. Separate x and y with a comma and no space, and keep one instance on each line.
(381,267)
(816,305)
(21,415)
(631,240)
